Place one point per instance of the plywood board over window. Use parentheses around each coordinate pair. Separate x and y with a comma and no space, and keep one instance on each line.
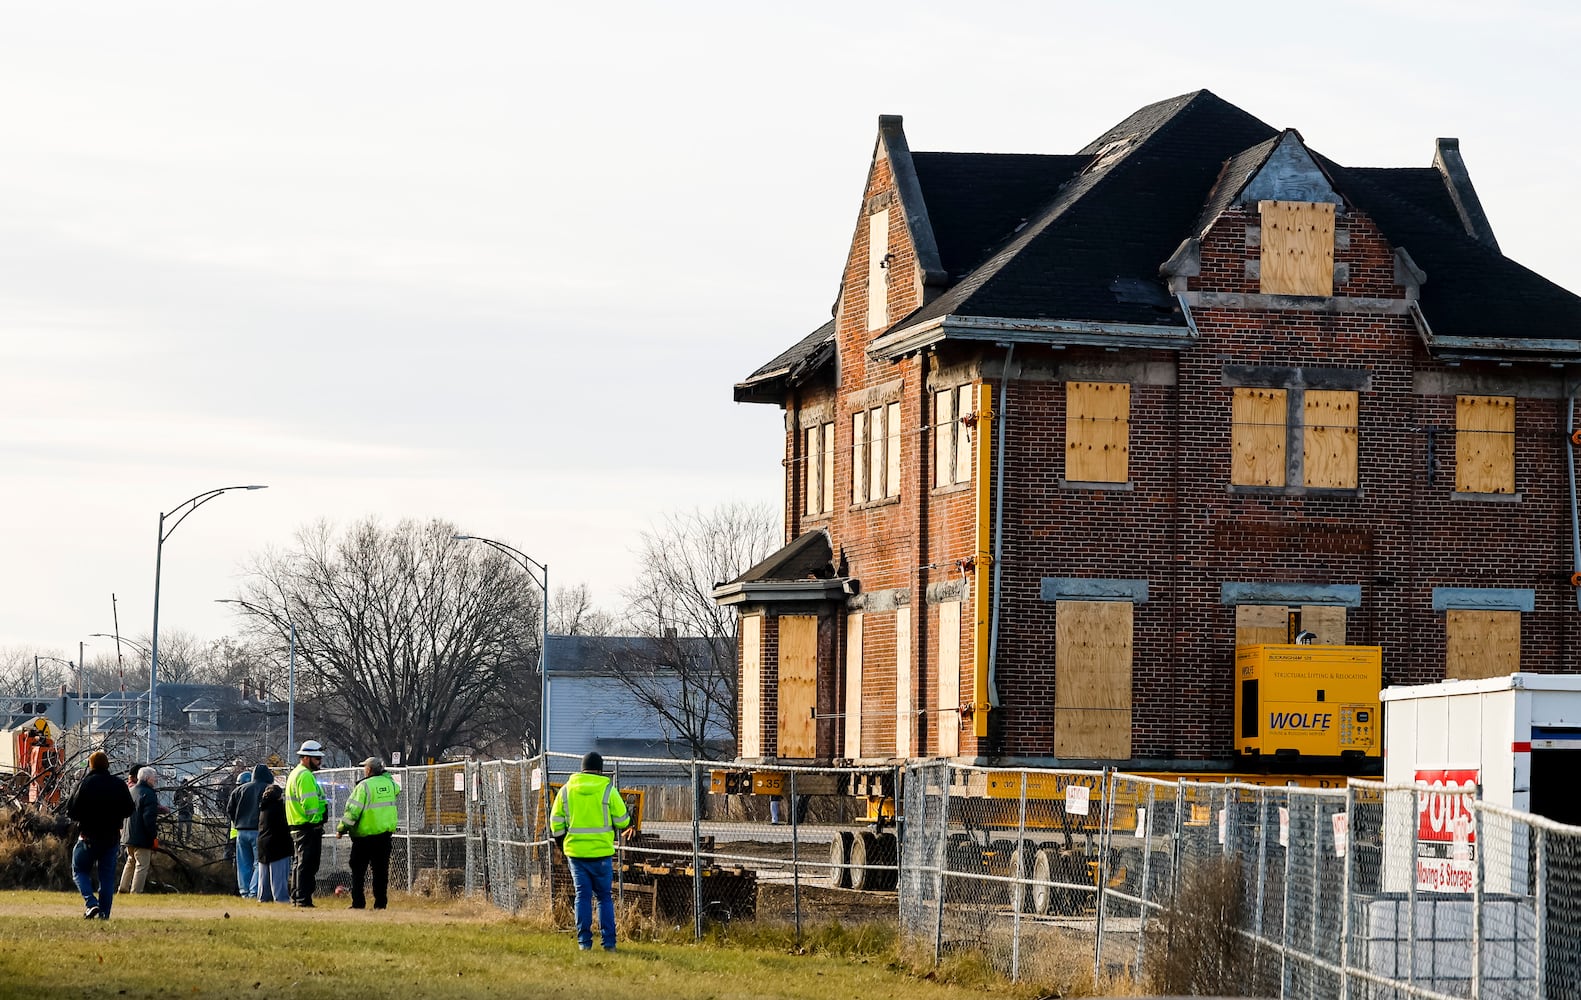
(798,688)
(859,457)
(905,709)
(1327,622)
(853,685)
(878,270)
(1485,444)
(1329,439)
(964,404)
(1097,432)
(751,687)
(943,437)
(949,630)
(1261,623)
(812,460)
(1297,248)
(892,450)
(1481,644)
(1258,418)
(1092,679)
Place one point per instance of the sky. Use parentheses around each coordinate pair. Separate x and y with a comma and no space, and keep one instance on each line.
(501,263)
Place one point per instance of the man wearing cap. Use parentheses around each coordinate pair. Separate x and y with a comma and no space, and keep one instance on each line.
(99,806)
(587,811)
(305,815)
(371,820)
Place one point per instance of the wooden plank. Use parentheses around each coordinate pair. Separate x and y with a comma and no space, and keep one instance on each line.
(1260,623)
(949,716)
(853,685)
(892,450)
(1326,622)
(1257,437)
(1485,444)
(812,463)
(964,404)
(798,676)
(751,687)
(876,437)
(943,437)
(1097,432)
(1297,248)
(1092,679)
(1481,644)
(828,468)
(859,457)
(877,273)
(1329,439)
(905,712)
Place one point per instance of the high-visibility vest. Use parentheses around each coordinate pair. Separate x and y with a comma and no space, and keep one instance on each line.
(304,800)
(587,812)
(371,807)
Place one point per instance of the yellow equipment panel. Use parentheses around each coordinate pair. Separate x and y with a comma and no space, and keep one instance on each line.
(1308,700)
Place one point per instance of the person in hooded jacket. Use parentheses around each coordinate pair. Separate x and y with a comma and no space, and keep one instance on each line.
(99,805)
(274,847)
(242,808)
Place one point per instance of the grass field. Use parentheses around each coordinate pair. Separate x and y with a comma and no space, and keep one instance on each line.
(210,946)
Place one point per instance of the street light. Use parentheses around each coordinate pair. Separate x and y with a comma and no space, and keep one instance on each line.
(179,513)
(528,564)
(37,683)
(290,712)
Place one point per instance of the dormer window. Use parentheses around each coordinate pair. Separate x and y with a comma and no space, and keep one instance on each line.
(1298,247)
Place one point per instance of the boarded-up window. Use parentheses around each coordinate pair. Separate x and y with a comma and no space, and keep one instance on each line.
(1298,248)
(751,687)
(905,714)
(877,437)
(859,457)
(1257,437)
(891,448)
(1092,679)
(1485,444)
(1256,624)
(798,688)
(878,270)
(1097,432)
(828,468)
(944,437)
(853,685)
(949,715)
(1327,622)
(818,462)
(964,404)
(1481,643)
(1329,436)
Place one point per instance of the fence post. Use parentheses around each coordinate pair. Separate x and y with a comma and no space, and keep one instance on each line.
(795,859)
(1105,843)
(1349,869)
(697,861)
(468,858)
(1410,886)
(547,798)
(1018,888)
(1141,895)
(526,821)
(620,849)
(1540,930)
(1317,883)
(411,877)
(1285,929)
(944,857)
(1479,851)
(1177,856)
(1262,878)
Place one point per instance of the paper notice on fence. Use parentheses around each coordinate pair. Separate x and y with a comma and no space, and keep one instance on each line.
(1224,820)
(395,759)
(461,781)
(475,792)
(1076,799)
(499,780)
(1284,826)
(1141,822)
(1341,834)
(537,778)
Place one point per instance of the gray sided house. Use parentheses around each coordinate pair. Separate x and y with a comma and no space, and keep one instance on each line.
(632,696)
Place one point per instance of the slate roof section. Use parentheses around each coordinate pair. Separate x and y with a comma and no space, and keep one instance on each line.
(808,557)
(591,654)
(789,368)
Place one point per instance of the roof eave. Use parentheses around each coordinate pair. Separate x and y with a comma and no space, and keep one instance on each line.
(771,591)
(1048,332)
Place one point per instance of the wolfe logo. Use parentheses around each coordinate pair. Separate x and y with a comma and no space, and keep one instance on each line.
(1305,721)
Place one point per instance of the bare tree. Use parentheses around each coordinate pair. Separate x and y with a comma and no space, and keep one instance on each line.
(683,558)
(572,613)
(406,639)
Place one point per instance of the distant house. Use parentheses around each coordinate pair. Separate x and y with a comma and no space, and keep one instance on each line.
(602,691)
(200,725)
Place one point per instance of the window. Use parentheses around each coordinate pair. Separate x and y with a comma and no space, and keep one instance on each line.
(952,446)
(1092,679)
(1261,438)
(818,459)
(1485,444)
(1279,624)
(878,270)
(798,685)
(1298,248)
(1481,643)
(875,454)
(751,744)
(853,685)
(1097,432)
(949,714)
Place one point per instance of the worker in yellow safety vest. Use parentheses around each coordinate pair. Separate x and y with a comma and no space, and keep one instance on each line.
(586,813)
(371,820)
(305,815)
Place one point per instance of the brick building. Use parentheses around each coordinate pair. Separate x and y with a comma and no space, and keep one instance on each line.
(1081,424)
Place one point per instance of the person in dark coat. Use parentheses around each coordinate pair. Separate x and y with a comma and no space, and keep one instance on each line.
(274,847)
(99,806)
(243,812)
(142,833)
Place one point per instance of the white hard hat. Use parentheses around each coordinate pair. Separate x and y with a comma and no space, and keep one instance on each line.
(312,748)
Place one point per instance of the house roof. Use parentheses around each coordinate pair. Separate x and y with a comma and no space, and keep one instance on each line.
(591,654)
(1075,242)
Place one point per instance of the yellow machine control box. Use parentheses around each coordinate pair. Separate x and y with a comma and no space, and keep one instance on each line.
(1310,701)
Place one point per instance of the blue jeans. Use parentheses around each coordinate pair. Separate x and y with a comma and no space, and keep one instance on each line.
(246,862)
(274,881)
(593,877)
(89,860)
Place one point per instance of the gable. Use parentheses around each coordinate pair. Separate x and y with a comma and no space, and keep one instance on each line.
(1289,174)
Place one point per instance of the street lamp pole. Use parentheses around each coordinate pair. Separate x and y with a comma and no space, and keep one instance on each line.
(178,514)
(528,564)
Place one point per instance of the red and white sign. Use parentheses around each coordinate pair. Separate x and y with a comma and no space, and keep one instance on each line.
(1446,829)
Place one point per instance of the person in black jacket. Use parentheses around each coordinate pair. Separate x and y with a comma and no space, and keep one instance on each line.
(274,847)
(242,808)
(99,806)
(142,832)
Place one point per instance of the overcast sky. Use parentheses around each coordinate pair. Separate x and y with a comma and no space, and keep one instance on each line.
(501,263)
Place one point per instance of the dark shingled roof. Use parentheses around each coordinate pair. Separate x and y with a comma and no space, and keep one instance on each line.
(807,557)
(789,367)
